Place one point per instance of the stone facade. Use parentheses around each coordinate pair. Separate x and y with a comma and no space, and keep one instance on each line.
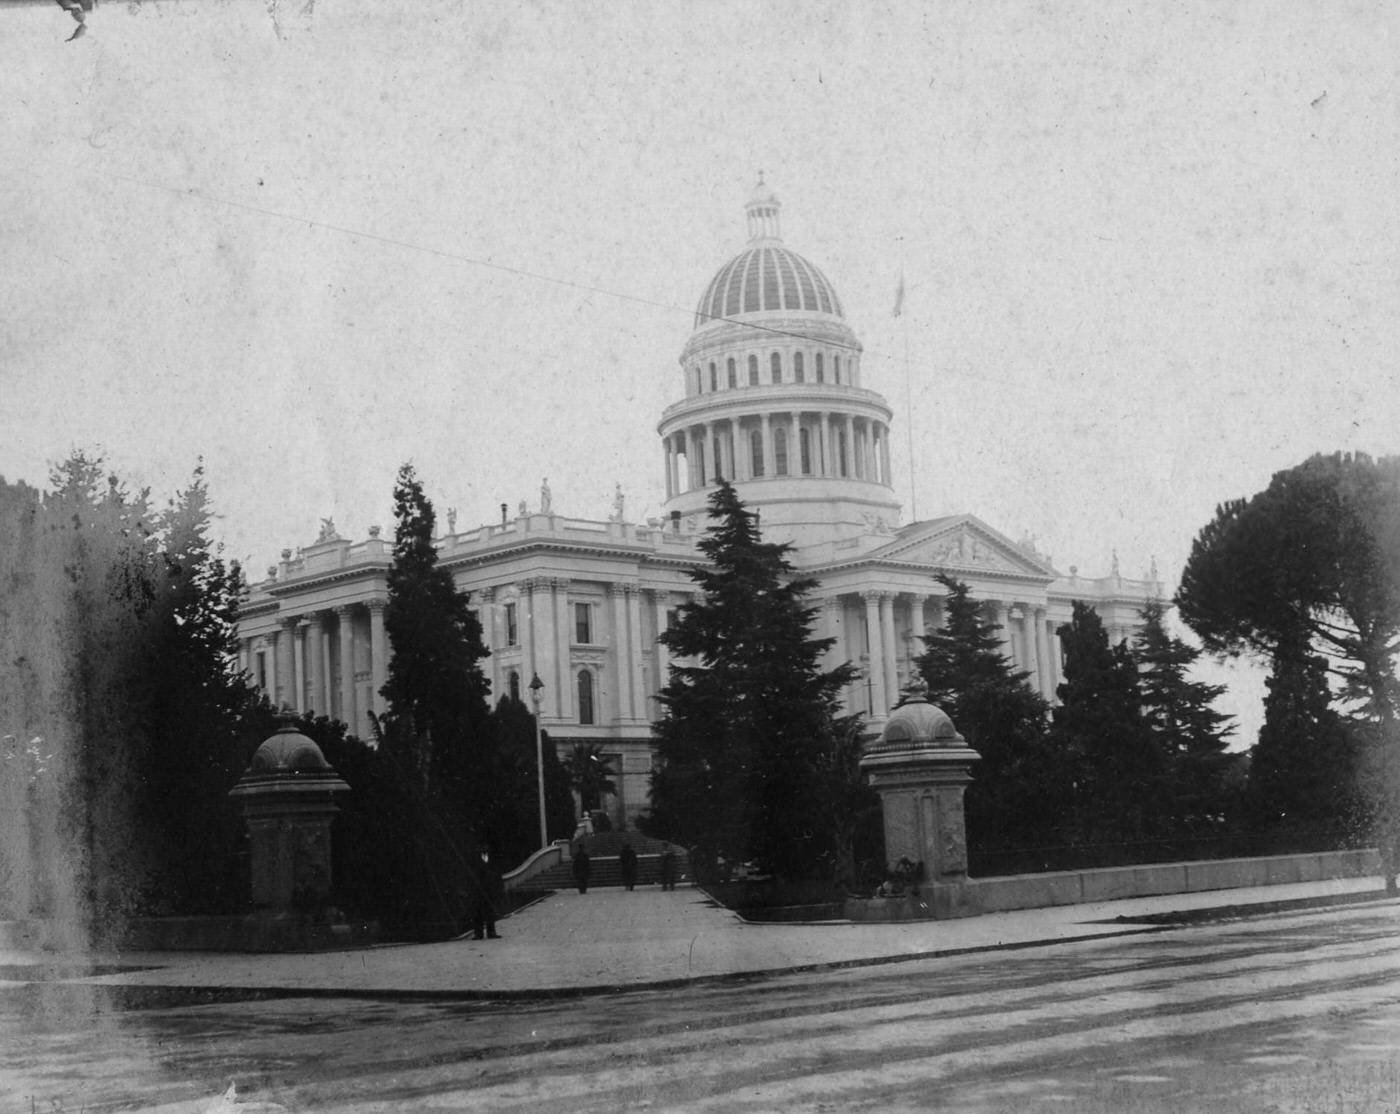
(773,400)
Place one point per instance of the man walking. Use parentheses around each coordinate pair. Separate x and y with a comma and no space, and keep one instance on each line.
(489,890)
(581,868)
(628,863)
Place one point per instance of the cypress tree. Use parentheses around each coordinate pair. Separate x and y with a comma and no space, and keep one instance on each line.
(748,725)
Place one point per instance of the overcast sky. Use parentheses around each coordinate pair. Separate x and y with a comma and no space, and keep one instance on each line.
(1151,251)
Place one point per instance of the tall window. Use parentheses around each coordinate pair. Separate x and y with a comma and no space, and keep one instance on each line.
(513,684)
(585,697)
(714,377)
(776,363)
(733,373)
(836,368)
(756,452)
(820,374)
(512,629)
(753,371)
(695,378)
(798,375)
(780,456)
(805,438)
(583,623)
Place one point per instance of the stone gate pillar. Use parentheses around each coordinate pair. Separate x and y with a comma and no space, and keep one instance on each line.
(287,798)
(920,766)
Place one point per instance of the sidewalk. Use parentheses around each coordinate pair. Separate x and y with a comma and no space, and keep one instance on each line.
(610,939)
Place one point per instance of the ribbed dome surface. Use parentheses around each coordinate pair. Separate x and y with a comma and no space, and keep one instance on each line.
(769,277)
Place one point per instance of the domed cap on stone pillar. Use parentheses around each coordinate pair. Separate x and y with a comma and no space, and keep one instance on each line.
(916,724)
(288,760)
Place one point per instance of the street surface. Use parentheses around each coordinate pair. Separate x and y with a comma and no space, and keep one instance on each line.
(1280,1013)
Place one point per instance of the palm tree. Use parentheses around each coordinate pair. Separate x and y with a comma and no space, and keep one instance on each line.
(590,774)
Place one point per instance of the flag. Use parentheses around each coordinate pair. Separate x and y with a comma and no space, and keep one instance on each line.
(899,297)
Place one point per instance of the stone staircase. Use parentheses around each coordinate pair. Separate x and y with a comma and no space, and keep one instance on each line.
(604,865)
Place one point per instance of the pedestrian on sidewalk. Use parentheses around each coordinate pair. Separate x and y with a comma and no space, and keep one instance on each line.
(581,868)
(628,862)
(668,869)
(489,891)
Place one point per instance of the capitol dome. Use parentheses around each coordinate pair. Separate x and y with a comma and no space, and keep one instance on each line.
(760,279)
(766,276)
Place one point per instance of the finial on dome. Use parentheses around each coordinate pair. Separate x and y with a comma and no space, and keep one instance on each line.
(762,211)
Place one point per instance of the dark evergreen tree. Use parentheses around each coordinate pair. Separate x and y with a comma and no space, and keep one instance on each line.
(1188,730)
(1001,717)
(1316,556)
(748,708)
(437,725)
(1303,769)
(1118,774)
(513,824)
(590,775)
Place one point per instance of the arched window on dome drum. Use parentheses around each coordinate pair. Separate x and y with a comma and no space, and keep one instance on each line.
(805,438)
(733,374)
(753,371)
(836,369)
(756,453)
(821,376)
(776,362)
(695,378)
(714,377)
(585,697)
(798,376)
(780,452)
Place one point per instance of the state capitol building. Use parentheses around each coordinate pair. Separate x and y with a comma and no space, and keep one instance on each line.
(773,399)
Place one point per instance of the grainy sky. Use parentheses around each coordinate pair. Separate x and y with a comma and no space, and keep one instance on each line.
(1152,252)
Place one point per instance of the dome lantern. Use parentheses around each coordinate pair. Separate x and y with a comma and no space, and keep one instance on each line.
(762,210)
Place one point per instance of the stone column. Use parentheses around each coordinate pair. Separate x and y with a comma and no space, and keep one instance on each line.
(486,612)
(1042,656)
(823,468)
(622,674)
(851,470)
(564,636)
(531,657)
(875,649)
(770,455)
(794,453)
(347,670)
(663,655)
(315,663)
(1001,613)
(636,667)
(891,653)
(286,665)
(378,654)
(710,464)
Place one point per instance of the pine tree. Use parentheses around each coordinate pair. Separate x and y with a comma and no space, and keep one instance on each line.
(1118,774)
(749,716)
(999,715)
(1187,728)
(437,723)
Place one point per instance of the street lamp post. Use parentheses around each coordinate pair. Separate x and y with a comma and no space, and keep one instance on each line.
(537,698)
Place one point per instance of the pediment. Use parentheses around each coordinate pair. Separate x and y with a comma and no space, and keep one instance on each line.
(964,543)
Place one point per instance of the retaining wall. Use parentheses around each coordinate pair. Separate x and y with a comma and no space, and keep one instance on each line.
(1079,887)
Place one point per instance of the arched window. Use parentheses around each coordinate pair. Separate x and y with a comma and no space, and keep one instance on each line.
(776,363)
(805,438)
(780,456)
(514,685)
(585,697)
(714,377)
(756,452)
(836,369)
(798,375)
(753,371)
(821,376)
(733,375)
(695,379)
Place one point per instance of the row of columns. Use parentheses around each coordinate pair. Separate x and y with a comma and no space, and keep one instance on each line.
(728,439)
(546,646)
(1029,641)
(300,669)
